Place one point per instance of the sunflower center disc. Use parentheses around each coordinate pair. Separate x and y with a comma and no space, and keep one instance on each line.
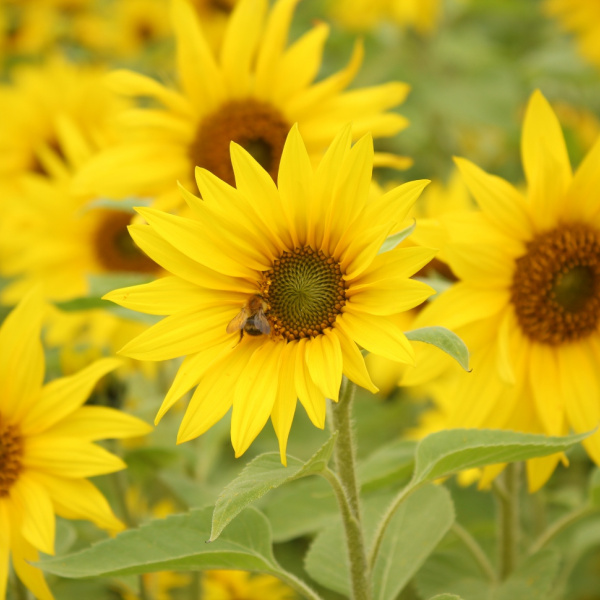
(256,126)
(11,451)
(556,285)
(115,249)
(305,291)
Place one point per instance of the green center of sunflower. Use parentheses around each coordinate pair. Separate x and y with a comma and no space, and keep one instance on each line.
(115,249)
(256,126)
(11,452)
(305,291)
(556,285)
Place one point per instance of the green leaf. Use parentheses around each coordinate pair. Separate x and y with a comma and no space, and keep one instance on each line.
(387,465)
(175,543)
(594,488)
(412,535)
(414,532)
(260,476)
(446,452)
(449,571)
(445,340)
(393,240)
(533,579)
(312,503)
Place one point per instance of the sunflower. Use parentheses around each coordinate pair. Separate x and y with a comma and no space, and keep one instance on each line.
(37,99)
(582,18)
(57,240)
(251,94)
(298,263)
(528,300)
(46,449)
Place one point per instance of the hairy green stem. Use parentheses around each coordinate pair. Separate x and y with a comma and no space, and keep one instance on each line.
(475,550)
(507,494)
(345,486)
(559,526)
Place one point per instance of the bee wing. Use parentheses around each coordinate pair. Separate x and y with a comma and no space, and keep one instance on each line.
(238,322)
(261,322)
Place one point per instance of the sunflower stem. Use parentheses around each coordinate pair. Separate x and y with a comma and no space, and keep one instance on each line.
(18,587)
(346,489)
(297,584)
(507,494)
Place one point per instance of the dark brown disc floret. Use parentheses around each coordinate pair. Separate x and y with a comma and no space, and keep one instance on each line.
(115,250)
(11,454)
(305,291)
(556,285)
(256,126)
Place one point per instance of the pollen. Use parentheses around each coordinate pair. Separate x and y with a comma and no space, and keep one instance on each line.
(11,453)
(115,250)
(256,126)
(556,285)
(305,291)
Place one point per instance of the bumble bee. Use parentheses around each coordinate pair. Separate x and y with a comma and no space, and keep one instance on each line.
(251,319)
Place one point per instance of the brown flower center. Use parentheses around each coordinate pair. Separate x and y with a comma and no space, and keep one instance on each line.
(305,291)
(256,126)
(115,249)
(11,452)
(556,285)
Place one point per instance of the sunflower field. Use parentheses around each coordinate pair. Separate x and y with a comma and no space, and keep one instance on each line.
(299,299)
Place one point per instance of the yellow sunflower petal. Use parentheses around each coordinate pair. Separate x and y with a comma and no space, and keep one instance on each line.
(324,361)
(284,407)
(448,308)
(498,199)
(272,44)
(21,357)
(190,373)
(254,396)
(254,182)
(183,333)
(390,297)
(545,160)
(582,194)
(354,367)
(579,375)
(130,83)
(398,263)
(5,527)
(171,259)
(79,499)
(39,524)
(69,458)
(100,422)
(545,378)
(301,63)
(23,555)
(359,254)
(378,335)
(214,395)
(295,182)
(62,396)
(485,264)
(200,75)
(244,28)
(539,470)
(169,295)
(310,396)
